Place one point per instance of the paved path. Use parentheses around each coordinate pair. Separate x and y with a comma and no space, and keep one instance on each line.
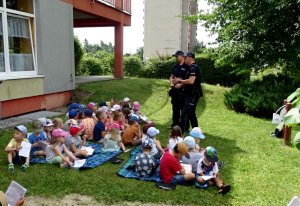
(86,79)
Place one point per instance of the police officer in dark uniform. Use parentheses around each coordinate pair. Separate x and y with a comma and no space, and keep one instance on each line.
(192,92)
(176,91)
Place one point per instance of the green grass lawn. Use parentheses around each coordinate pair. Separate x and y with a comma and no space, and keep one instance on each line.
(261,170)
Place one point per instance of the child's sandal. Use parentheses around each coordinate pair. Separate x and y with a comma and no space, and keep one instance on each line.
(24,167)
(224,189)
(11,167)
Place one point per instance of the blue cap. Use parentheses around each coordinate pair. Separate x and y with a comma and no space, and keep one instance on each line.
(189,54)
(22,129)
(73,113)
(88,112)
(133,118)
(73,106)
(147,143)
(197,133)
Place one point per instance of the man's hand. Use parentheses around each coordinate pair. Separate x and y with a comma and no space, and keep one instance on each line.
(20,201)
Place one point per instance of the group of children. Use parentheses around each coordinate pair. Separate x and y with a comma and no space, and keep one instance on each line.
(117,126)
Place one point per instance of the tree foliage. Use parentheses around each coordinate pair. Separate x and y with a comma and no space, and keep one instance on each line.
(93,48)
(255,34)
(78,53)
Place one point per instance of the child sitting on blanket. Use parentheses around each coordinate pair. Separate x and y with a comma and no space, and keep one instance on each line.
(54,152)
(58,123)
(48,127)
(157,150)
(145,165)
(113,141)
(208,171)
(194,154)
(175,137)
(92,106)
(171,172)
(74,142)
(37,136)
(99,129)
(14,147)
(132,134)
(89,124)
(118,122)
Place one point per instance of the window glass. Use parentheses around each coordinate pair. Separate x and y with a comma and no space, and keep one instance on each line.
(20,5)
(2,65)
(20,47)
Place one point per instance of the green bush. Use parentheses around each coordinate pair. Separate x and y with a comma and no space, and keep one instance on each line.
(259,97)
(225,75)
(132,66)
(100,63)
(159,68)
(78,54)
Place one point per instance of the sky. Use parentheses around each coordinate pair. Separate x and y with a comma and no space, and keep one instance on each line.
(133,35)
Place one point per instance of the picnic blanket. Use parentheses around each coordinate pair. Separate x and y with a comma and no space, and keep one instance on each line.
(123,172)
(92,161)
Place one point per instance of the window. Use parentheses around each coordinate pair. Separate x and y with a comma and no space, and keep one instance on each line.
(16,38)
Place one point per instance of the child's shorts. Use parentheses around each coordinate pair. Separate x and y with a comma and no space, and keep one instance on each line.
(19,159)
(178,179)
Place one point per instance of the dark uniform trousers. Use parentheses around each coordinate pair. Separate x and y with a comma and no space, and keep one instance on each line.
(188,112)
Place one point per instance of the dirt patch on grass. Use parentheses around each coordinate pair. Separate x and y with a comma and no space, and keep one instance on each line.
(76,199)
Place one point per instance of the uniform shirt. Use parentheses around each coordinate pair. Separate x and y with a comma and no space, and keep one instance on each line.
(194,70)
(144,165)
(169,166)
(179,71)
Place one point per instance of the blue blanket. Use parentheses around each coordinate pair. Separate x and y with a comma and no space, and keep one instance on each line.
(92,161)
(123,172)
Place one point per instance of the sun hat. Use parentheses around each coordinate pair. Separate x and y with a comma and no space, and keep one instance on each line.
(56,133)
(73,106)
(133,118)
(48,123)
(182,149)
(90,105)
(43,120)
(152,131)
(37,126)
(136,105)
(73,113)
(211,154)
(22,129)
(75,129)
(189,142)
(126,99)
(147,143)
(88,112)
(3,199)
(116,107)
(196,132)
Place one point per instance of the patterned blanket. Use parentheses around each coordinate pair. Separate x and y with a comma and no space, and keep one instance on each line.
(92,161)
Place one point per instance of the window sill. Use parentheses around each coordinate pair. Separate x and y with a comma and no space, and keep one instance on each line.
(21,77)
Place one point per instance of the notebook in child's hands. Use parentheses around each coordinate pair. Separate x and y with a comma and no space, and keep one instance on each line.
(14,192)
(89,150)
(187,168)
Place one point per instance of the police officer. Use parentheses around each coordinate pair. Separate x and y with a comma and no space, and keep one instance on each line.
(176,91)
(192,92)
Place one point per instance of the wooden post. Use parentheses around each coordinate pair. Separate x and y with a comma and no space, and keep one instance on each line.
(287,130)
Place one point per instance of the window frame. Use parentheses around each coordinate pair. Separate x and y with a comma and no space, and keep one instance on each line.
(18,14)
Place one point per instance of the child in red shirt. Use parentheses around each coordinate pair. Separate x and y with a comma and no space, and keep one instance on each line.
(170,166)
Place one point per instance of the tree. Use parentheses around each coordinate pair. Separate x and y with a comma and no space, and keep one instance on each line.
(199,47)
(93,48)
(255,34)
(78,53)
